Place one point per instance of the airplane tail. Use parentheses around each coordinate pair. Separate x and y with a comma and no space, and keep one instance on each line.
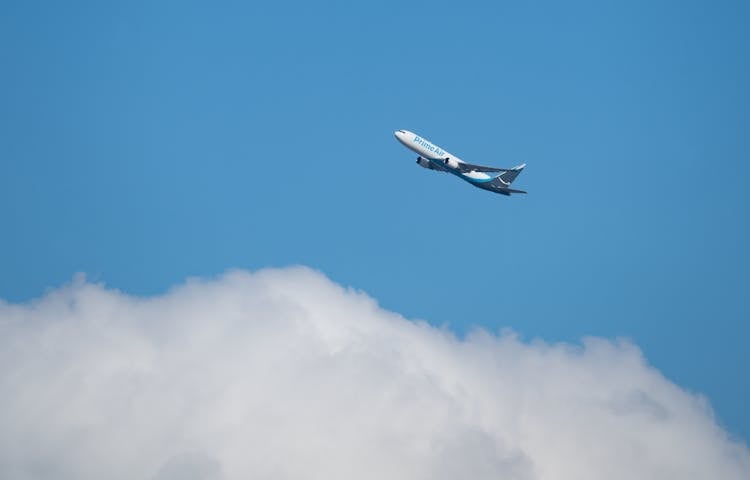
(506,178)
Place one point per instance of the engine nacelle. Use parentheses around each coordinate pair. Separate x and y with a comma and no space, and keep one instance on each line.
(449,162)
(423,162)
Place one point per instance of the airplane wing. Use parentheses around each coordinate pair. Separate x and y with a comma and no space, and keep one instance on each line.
(468,167)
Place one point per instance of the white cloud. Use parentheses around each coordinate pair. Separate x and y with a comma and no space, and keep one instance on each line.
(282,374)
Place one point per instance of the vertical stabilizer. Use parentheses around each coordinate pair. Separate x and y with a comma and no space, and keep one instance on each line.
(506,178)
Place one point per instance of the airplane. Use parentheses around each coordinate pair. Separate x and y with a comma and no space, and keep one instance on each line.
(435,158)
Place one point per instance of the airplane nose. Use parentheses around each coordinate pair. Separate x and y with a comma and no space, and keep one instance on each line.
(400,136)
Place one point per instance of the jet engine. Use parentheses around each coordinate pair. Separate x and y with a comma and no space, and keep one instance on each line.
(449,162)
(423,162)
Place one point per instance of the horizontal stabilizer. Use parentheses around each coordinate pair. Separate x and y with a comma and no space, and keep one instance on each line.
(506,191)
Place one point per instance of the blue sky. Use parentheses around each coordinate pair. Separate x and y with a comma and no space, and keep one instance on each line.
(143,143)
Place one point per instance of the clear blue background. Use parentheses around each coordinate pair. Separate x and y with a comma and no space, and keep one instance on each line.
(142,143)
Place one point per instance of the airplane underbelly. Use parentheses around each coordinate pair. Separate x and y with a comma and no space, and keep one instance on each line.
(476,177)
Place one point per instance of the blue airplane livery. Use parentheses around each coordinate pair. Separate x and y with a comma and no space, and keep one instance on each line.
(432,157)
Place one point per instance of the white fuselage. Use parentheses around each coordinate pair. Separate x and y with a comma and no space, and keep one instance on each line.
(428,150)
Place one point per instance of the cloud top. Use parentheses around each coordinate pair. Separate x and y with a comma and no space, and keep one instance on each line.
(283,374)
